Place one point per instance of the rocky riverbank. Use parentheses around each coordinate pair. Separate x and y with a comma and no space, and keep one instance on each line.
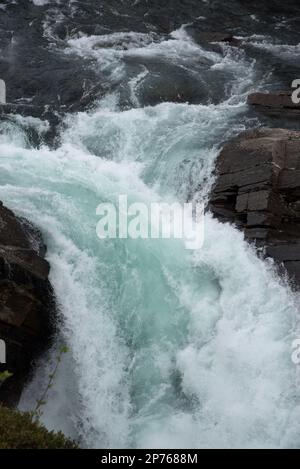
(26,300)
(258,185)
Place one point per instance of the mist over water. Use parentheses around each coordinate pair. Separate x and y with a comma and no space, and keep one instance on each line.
(168,347)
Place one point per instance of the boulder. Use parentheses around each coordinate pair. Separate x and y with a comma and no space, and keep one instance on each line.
(26,300)
(258,189)
(275,104)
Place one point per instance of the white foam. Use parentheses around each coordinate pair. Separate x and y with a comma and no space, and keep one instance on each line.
(40,2)
(188,352)
(286,52)
(167,348)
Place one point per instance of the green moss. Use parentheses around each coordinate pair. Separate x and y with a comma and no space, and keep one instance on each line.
(18,430)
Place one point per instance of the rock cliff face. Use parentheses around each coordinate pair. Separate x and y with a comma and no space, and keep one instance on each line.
(258,189)
(26,300)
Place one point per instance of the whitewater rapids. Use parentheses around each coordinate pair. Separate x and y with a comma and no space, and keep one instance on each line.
(168,348)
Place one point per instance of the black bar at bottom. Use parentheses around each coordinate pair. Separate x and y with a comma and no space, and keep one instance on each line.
(136,458)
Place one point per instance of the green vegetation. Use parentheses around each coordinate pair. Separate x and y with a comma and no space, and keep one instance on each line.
(4,375)
(18,430)
(22,430)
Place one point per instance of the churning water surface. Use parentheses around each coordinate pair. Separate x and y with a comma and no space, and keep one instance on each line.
(167,347)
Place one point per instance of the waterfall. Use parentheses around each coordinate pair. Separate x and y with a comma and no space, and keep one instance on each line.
(168,348)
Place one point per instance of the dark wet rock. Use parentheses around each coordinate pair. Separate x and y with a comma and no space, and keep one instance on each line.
(276,103)
(26,300)
(209,39)
(258,189)
(47,77)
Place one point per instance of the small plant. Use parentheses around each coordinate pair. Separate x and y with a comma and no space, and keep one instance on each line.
(37,412)
(4,375)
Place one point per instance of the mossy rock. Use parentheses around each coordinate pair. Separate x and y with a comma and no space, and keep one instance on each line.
(18,430)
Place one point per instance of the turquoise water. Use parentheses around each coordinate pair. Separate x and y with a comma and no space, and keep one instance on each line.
(168,347)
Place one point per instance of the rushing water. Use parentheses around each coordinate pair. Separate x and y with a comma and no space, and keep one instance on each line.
(168,347)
